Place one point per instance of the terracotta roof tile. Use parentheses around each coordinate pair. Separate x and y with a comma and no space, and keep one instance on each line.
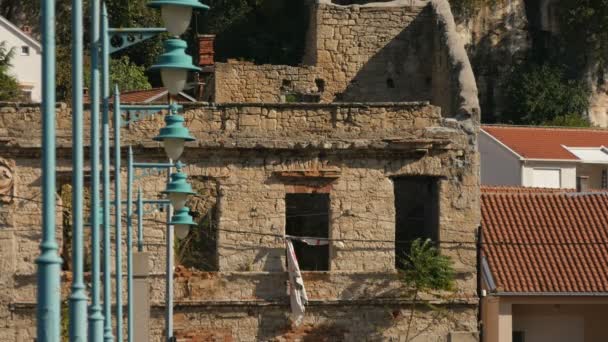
(546,142)
(540,240)
(144,96)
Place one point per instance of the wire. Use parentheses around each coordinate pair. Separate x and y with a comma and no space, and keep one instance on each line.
(440,242)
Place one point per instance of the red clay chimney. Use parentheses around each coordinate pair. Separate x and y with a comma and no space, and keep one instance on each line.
(206,52)
(27,29)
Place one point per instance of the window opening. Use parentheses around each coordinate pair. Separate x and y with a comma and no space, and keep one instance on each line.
(519,336)
(416,213)
(308,216)
(604,179)
(198,249)
(25,51)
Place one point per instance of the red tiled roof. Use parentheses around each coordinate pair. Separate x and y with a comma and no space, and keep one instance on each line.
(543,241)
(546,142)
(522,189)
(143,96)
(140,96)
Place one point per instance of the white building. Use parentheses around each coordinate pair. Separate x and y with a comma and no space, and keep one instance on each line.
(545,157)
(27,59)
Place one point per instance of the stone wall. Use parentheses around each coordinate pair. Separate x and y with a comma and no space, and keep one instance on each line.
(256,154)
(233,82)
(395,51)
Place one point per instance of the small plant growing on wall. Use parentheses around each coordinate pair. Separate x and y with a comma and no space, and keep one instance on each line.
(425,270)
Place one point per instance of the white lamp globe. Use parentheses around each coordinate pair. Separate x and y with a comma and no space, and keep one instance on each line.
(174,148)
(176,18)
(174,79)
(181,230)
(178,199)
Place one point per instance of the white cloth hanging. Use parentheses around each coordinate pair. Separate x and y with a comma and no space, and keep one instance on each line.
(297,292)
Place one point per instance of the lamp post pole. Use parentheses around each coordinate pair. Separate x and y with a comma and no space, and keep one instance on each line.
(105,119)
(78,298)
(140,221)
(174,71)
(118,214)
(169,270)
(129,246)
(48,309)
(95,316)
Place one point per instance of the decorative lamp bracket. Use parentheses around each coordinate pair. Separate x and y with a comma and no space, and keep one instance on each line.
(122,38)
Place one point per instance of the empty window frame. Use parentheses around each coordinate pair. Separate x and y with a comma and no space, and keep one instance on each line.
(25,50)
(416,213)
(308,216)
(519,336)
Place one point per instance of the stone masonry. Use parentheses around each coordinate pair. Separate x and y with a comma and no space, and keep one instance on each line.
(255,154)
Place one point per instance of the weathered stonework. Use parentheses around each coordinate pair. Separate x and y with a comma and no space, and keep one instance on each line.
(399,51)
(497,37)
(255,154)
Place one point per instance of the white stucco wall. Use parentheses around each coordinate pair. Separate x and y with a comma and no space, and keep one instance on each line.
(499,166)
(567,172)
(551,327)
(594,172)
(26,69)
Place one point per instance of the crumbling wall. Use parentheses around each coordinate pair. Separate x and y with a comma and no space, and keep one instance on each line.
(379,52)
(252,155)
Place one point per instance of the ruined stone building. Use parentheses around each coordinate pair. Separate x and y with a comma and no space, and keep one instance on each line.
(371,141)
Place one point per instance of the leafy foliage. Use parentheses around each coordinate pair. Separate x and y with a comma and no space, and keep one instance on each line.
(263,31)
(122,13)
(128,75)
(467,8)
(540,94)
(9,87)
(584,26)
(425,269)
(570,120)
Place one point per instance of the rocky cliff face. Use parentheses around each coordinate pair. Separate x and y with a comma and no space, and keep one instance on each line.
(496,36)
(500,33)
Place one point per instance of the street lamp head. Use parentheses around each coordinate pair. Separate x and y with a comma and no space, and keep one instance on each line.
(174,135)
(182,221)
(174,65)
(176,14)
(178,190)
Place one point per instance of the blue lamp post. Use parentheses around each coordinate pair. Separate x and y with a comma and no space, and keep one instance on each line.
(174,135)
(48,315)
(182,221)
(176,14)
(78,297)
(178,190)
(174,65)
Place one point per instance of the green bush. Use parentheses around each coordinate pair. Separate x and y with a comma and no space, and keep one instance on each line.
(538,94)
(425,269)
(9,87)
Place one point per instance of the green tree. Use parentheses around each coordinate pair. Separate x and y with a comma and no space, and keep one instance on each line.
(9,87)
(127,75)
(263,31)
(571,120)
(584,26)
(539,94)
(425,270)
